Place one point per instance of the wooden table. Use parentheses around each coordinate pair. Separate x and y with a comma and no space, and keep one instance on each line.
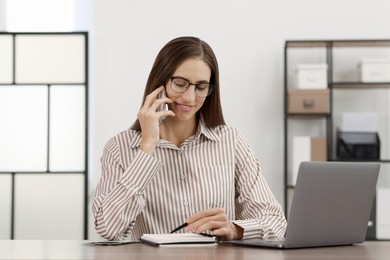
(69,249)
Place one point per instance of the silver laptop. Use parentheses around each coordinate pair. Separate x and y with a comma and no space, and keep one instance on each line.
(331,206)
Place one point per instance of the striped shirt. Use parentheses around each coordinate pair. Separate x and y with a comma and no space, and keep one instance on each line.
(139,193)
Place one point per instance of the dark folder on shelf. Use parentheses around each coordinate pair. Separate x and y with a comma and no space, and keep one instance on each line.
(358,146)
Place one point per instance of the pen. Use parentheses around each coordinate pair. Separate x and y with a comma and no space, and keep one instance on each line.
(207,235)
(179,227)
(186,224)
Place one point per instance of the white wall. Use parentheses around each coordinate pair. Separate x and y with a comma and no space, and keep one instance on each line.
(248,38)
(2,15)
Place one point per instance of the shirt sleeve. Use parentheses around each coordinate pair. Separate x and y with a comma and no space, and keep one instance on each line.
(118,200)
(257,210)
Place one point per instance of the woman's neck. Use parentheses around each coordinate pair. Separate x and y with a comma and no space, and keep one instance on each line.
(178,132)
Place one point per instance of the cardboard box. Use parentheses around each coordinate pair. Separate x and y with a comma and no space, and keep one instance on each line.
(318,149)
(311,101)
(307,148)
(375,70)
(312,76)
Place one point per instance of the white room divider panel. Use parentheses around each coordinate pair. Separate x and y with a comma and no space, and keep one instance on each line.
(67,125)
(6,51)
(61,58)
(49,206)
(5,206)
(23,135)
(43,138)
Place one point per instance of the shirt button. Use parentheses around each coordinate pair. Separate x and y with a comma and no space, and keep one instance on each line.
(183,177)
(185,203)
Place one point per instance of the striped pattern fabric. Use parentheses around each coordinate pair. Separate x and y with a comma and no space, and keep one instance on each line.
(216,168)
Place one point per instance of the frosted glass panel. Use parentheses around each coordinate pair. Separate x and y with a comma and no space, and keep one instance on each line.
(67,128)
(5,206)
(23,131)
(49,206)
(50,59)
(6,59)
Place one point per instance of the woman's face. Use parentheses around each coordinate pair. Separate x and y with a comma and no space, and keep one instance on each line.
(186,104)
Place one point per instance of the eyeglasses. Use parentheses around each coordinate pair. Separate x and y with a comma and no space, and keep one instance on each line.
(180,85)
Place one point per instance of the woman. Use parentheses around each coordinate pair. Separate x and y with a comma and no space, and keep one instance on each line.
(191,167)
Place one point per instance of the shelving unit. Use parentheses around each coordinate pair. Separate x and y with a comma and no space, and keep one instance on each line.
(346,94)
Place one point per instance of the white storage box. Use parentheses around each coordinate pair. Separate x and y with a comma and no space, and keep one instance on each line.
(364,122)
(312,76)
(383,213)
(306,148)
(375,70)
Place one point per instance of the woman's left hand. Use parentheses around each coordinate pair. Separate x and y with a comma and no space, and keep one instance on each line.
(215,220)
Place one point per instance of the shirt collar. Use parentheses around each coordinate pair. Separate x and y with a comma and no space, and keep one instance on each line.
(209,133)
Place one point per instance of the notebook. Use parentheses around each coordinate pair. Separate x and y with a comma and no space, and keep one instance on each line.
(331,206)
(178,239)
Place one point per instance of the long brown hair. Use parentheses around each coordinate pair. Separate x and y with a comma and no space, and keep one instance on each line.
(169,59)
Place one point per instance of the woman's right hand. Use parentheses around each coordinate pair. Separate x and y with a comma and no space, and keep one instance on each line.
(148,118)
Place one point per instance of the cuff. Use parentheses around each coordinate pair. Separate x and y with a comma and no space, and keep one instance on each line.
(251,227)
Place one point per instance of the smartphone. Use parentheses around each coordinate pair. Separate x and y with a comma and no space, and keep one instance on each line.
(163,106)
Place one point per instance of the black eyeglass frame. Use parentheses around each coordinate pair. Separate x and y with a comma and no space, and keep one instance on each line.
(211,86)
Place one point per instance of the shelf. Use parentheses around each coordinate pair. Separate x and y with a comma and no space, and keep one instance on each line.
(337,43)
(362,43)
(359,85)
(306,115)
(305,44)
(361,160)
